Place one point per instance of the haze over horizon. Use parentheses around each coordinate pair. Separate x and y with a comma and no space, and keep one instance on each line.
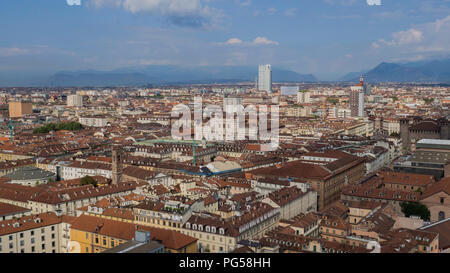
(326,38)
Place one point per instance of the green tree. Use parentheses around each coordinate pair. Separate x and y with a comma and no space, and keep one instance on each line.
(333,100)
(70,126)
(416,209)
(88,180)
(395,134)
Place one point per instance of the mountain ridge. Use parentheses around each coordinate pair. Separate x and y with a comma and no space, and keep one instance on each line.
(170,74)
(420,71)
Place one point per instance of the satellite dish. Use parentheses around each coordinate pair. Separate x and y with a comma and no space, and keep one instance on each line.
(73,247)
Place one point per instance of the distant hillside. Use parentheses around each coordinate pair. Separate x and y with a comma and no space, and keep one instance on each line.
(98,79)
(423,71)
(167,74)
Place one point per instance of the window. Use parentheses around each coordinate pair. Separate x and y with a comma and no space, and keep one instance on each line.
(11,245)
(87,236)
(43,246)
(32,249)
(21,235)
(10,237)
(32,233)
(53,228)
(442,200)
(104,241)
(32,240)
(22,243)
(441,216)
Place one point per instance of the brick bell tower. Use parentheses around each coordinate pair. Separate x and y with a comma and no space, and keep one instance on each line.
(117,164)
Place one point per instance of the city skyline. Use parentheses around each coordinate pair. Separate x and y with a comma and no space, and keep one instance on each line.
(326,38)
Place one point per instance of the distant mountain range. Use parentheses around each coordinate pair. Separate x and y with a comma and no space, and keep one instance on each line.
(423,71)
(170,74)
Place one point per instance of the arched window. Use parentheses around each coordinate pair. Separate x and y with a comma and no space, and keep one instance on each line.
(441,216)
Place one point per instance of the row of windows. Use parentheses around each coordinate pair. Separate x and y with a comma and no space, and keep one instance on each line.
(22,234)
(33,248)
(104,240)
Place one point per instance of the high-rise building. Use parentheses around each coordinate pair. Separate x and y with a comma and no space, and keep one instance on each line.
(265,78)
(304,97)
(357,99)
(17,109)
(75,100)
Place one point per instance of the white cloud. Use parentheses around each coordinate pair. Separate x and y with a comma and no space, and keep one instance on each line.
(431,35)
(13,51)
(255,42)
(193,13)
(374,2)
(234,41)
(429,40)
(163,6)
(244,3)
(264,41)
(73,2)
(407,37)
(341,2)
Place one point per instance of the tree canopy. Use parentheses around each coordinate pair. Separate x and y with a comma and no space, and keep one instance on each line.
(416,209)
(69,126)
(88,180)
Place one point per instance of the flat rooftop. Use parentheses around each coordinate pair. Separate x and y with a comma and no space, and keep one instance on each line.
(433,143)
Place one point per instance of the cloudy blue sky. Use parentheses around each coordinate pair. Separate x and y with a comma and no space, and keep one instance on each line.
(325,37)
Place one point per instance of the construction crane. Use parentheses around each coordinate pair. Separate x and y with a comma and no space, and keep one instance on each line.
(324,103)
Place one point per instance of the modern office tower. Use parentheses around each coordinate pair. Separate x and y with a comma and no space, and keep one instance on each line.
(357,99)
(75,100)
(18,109)
(304,97)
(265,78)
